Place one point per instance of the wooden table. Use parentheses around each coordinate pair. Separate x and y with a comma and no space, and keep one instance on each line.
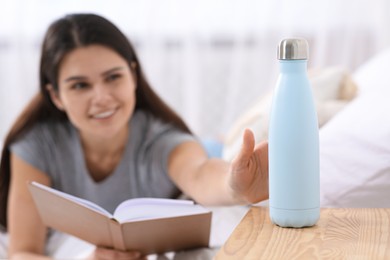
(339,234)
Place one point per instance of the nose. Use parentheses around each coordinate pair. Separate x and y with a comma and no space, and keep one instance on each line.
(101,94)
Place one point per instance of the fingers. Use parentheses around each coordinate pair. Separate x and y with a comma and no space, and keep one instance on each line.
(262,147)
(262,153)
(247,147)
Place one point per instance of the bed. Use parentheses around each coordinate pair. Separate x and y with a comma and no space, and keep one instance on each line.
(354,151)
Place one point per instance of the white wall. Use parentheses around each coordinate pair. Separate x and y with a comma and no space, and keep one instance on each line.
(209,59)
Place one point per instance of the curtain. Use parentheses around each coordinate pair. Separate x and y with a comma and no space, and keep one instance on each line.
(209,59)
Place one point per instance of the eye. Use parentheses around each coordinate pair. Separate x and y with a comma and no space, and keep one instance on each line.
(113,77)
(79,85)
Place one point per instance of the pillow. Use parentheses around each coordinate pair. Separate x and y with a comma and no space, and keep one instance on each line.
(374,76)
(355,154)
(355,144)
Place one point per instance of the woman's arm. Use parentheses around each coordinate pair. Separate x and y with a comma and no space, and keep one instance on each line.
(217,182)
(27,233)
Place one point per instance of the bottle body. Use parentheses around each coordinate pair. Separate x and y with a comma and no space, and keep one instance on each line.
(294,149)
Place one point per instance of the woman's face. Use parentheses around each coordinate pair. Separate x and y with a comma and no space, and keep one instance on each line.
(96,91)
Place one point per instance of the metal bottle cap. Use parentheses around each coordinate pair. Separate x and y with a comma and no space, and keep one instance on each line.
(293,49)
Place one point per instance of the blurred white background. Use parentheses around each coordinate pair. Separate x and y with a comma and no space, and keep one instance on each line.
(209,59)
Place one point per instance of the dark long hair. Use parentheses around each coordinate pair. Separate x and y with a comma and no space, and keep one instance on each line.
(63,36)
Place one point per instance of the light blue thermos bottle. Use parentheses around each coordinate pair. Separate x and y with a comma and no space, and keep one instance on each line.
(294,186)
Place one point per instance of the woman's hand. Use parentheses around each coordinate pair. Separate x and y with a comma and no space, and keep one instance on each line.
(249,171)
(102,253)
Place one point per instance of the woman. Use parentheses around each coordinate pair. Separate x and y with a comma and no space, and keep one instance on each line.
(98,131)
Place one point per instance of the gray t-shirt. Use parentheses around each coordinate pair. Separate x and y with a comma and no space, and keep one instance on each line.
(55,149)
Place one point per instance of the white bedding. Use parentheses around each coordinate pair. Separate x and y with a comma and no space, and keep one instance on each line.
(355,144)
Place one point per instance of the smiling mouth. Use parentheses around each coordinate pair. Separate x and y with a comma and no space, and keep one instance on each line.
(104,114)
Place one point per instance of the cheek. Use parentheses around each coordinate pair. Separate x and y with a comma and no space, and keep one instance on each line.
(128,100)
(75,108)
(128,94)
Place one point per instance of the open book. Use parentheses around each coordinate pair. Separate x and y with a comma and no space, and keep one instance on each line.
(148,225)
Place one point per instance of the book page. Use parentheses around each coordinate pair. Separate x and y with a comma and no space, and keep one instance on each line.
(78,200)
(151,208)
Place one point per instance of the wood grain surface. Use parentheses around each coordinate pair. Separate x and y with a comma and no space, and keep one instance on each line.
(339,234)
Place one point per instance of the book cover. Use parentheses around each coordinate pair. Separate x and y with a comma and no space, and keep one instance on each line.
(148,225)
